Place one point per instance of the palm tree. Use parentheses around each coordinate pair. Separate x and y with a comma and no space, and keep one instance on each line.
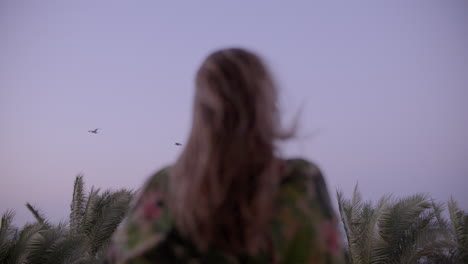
(392,231)
(93,219)
(13,242)
(7,236)
(459,229)
(54,244)
(102,215)
(453,247)
(97,216)
(360,224)
(405,228)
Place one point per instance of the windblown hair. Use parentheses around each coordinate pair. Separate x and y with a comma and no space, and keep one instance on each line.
(223,184)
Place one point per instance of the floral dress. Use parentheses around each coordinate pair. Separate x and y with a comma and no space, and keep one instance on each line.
(303,229)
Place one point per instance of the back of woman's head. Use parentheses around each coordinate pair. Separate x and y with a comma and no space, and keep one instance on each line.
(223,184)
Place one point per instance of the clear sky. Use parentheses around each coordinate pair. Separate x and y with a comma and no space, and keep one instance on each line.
(386,82)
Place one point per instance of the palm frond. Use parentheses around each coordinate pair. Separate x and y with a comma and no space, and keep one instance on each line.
(360,221)
(7,230)
(456,219)
(459,225)
(90,211)
(8,236)
(438,210)
(110,210)
(397,228)
(55,245)
(40,218)
(20,249)
(343,207)
(77,205)
(371,233)
(356,205)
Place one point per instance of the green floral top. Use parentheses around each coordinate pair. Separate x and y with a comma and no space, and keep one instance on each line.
(303,230)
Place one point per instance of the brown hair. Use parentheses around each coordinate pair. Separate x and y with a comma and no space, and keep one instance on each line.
(224,182)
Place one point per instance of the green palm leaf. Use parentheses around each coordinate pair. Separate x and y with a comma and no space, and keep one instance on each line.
(41,219)
(77,205)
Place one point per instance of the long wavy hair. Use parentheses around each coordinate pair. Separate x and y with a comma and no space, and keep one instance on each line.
(223,183)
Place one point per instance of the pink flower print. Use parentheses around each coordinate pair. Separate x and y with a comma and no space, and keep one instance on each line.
(150,206)
(331,237)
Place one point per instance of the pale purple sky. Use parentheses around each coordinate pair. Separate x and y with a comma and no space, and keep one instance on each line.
(386,82)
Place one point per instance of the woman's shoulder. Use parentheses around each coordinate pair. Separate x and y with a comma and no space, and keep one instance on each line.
(150,204)
(299,172)
(158,180)
(156,183)
(305,225)
(148,221)
(300,167)
(303,179)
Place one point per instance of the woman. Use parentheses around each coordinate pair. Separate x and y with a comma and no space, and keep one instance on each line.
(229,198)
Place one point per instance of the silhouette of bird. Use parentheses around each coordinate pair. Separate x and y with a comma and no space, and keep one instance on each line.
(178,144)
(95,131)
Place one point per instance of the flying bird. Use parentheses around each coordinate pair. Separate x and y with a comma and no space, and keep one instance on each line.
(178,144)
(95,131)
